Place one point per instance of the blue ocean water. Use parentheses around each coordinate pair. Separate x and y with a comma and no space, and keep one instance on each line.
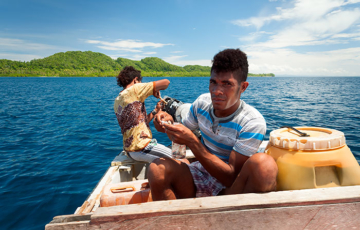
(59,135)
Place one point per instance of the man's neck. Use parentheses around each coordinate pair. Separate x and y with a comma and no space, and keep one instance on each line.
(129,85)
(227,112)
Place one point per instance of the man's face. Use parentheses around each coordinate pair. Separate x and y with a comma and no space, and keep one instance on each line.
(225,93)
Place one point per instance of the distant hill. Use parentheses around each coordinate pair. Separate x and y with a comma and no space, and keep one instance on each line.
(93,64)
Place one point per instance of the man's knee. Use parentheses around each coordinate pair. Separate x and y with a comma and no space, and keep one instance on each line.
(156,170)
(264,171)
(160,170)
(156,165)
(264,161)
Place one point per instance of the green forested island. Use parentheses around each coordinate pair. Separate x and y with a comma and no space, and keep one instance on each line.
(92,64)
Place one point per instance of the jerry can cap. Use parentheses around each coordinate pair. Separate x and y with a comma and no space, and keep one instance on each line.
(315,138)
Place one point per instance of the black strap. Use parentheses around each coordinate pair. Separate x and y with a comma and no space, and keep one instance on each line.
(301,133)
(128,155)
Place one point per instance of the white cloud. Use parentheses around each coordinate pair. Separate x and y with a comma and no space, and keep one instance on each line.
(176,60)
(303,10)
(341,62)
(175,52)
(11,44)
(22,50)
(19,57)
(253,36)
(117,48)
(352,1)
(317,32)
(306,23)
(137,57)
(150,53)
(355,35)
(133,57)
(126,45)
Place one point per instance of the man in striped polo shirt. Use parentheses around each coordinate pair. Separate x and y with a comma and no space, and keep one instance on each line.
(231,132)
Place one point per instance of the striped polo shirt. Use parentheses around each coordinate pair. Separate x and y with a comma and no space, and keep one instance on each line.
(242,131)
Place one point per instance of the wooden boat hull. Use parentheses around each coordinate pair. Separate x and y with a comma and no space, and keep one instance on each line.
(324,208)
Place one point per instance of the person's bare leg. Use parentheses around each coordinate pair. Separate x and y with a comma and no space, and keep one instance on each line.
(257,175)
(184,160)
(170,179)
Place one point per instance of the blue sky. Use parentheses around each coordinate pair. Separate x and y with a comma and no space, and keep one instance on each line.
(300,38)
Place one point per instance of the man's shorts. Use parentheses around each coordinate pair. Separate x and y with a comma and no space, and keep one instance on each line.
(151,152)
(206,185)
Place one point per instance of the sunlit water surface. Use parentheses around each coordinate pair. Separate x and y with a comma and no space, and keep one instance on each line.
(59,135)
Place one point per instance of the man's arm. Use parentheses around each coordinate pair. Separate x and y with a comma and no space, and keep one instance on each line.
(225,173)
(160,85)
(157,109)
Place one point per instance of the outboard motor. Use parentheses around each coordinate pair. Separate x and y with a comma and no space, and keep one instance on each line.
(171,106)
(178,109)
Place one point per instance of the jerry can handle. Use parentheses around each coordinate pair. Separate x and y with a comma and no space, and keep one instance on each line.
(301,133)
(128,188)
(145,185)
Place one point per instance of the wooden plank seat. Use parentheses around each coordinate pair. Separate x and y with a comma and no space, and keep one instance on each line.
(125,163)
(123,160)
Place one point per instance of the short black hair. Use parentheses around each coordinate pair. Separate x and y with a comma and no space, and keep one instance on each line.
(127,75)
(231,60)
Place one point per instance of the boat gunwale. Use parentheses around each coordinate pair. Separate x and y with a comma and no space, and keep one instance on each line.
(277,199)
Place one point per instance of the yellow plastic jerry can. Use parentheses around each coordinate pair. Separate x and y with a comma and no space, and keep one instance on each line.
(320,159)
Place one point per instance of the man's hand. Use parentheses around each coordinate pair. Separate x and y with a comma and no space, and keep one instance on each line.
(159,106)
(180,134)
(157,94)
(162,116)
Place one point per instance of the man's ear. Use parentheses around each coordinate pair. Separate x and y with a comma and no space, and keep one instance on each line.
(244,86)
(136,80)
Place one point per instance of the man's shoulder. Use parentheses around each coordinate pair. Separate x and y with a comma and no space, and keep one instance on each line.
(250,112)
(120,95)
(143,84)
(204,96)
(124,93)
(203,99)
(203,102)
(137,91)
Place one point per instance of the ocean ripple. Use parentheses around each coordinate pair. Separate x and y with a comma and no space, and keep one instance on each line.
(59,135)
